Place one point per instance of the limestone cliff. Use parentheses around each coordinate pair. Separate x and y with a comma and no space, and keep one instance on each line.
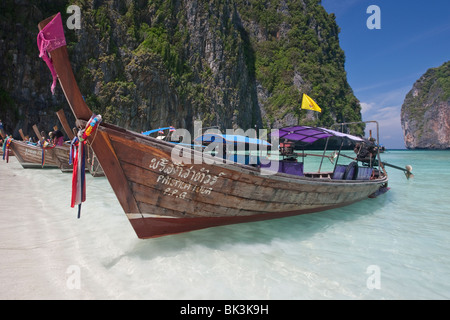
(149,63)
(425,115)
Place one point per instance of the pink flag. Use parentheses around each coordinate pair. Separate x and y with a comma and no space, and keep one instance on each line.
(51,37)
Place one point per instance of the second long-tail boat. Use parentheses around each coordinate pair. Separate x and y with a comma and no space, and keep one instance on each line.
(33,156)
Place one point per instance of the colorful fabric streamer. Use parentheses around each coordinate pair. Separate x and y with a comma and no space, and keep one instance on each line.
(78,159)
(91,126)
(78,177)
(6,149)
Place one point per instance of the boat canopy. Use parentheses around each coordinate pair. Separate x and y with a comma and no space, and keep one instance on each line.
(230,139)
(311,134)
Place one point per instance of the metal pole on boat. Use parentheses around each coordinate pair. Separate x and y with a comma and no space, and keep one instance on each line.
(323,155)
(380,164)
(339,153)
(407,170)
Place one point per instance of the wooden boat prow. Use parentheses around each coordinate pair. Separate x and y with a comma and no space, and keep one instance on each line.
(30,156)
(161,196)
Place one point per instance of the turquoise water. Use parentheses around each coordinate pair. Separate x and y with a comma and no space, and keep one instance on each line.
(393,247)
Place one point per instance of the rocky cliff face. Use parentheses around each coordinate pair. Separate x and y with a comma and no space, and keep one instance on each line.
(145,64)
(425,115)
(24,96)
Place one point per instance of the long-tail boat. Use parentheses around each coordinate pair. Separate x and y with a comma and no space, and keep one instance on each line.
(33,156)
(40,155)
(162,196)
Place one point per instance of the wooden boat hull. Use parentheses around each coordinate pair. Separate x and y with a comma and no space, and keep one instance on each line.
(151,227)
(30,156)
(169,197)
(62,153)
(92,164)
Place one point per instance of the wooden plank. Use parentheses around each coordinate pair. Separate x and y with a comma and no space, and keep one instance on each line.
(37,133)
(113,171)
(219,200)
(62,153)
(22,135)
(62,118)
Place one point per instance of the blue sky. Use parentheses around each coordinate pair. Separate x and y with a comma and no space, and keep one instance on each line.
(383,64)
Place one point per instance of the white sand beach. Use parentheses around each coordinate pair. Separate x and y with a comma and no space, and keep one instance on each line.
(47,253)
(40,237)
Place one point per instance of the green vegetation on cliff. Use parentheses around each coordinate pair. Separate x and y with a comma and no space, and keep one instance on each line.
(301,41)
(435,81)
(425,112)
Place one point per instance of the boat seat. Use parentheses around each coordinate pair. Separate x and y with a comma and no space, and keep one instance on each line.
(292,167)
(288,167)
(339,171)
(351,172)
(346,172)
(364,173)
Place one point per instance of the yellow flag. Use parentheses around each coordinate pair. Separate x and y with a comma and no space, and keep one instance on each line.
(309,104)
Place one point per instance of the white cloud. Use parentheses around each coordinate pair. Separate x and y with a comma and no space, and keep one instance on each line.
(388,119)
(366,107)
(385,108)
(339,8)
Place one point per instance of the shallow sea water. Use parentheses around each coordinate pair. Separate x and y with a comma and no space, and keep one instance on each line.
(393,247)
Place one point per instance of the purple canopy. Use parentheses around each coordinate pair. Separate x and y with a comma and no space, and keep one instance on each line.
(310,134)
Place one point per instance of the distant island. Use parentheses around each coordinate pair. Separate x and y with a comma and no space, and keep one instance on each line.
(425,114)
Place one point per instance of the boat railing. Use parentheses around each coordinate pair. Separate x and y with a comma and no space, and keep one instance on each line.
(378,157)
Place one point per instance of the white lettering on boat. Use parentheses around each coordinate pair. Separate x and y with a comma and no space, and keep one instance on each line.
(181,180)
(33,152)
